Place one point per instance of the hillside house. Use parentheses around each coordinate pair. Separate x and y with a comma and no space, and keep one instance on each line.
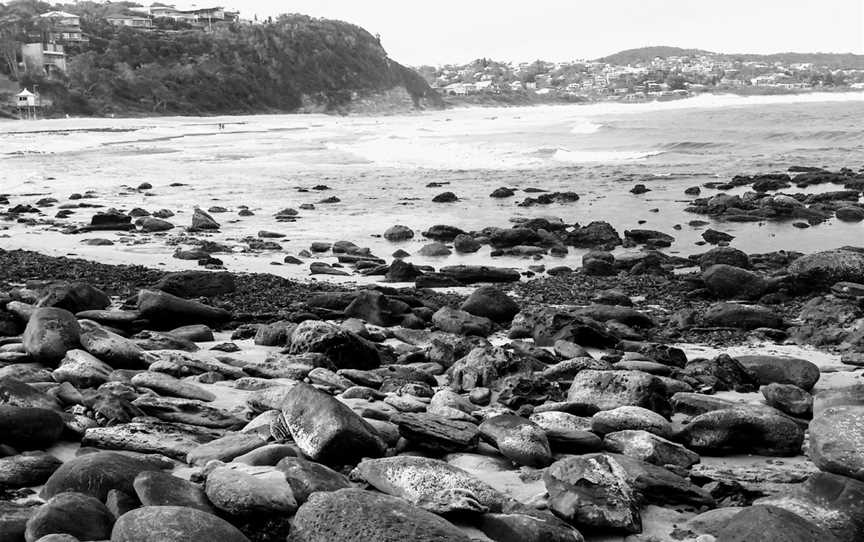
(47,59)
(25,99)
(62,27)
(132,21)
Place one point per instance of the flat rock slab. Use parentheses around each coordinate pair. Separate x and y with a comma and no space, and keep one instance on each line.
(172,440)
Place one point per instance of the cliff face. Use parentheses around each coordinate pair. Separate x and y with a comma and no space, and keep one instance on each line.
(295,63)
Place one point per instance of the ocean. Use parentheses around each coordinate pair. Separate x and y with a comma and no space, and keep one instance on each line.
(379,168)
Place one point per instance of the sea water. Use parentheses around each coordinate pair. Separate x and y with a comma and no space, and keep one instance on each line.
(379,168)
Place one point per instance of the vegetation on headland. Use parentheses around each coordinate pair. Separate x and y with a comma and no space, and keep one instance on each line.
(289,63)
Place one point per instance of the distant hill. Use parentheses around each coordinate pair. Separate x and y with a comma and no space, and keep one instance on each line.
(647,54)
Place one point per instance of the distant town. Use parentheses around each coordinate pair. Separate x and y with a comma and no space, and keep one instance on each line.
(637,75)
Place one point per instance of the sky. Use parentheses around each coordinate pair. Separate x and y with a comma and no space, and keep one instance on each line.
(457,31)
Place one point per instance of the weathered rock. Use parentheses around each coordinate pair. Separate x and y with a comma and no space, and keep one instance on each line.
(225,448)
(822,269)
(375,308)
(490,302)
(741,316)
(345,349)
(327,430)
(74,297)
(50,333)
(95,474)
(593,492)
(722,373)
(27,428)
(528,527)
(837,440)
(437,435)
(13,520)
(605,390)
(483,366)
(203,221)
(461,322)
(398,233)
(789,399)
(164,384)
(472,274)
(164,523)
(781,370)
(27,470)
(729,282)
(76,514)
(568,433)
(630,417)
(244,491)
(306,477)
(167,311)
(187,411)
(518,439)
(172,440)
(116,351)
(430,484)
(771,524)
(743,429)
(13,392)
(650,448)
(193,283)
(82,370)
(353,514)
(466,244)
(828,500)
(725,256)
(156,488)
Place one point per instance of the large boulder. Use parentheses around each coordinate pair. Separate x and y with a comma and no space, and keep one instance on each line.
(741,316)
(201,220)
(398,233)
(74,297)
(76,514)
(729,282)
(743,429)
(82,370)
(592,492)
(771,524)
(490,302)
(118,352)
(519,440)
(828,500)
(194,283)
(726,256)
(27,428)
(95,474)
(781,370)
(345,349)
(354,514)
(837,440)
(326,430)
(170,523)
(306,477)
(822,269)
(606,390)
(461,322)
(472,274)
(166,311)
(630,417)
(430,484)
(244,491)
(650,448)
(157,488)
(484,366)
(50,333)
(27,469)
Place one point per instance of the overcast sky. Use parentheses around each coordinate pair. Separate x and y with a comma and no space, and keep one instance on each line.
(455,31)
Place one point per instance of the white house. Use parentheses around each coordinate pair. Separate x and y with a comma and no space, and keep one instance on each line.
(25,99)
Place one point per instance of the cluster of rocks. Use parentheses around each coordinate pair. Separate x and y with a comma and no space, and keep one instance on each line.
(764,202)
(376,415)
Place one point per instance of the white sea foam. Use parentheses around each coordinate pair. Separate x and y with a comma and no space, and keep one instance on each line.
(585,126)
(604,156)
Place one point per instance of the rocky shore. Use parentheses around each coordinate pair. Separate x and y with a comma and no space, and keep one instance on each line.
(641,397)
